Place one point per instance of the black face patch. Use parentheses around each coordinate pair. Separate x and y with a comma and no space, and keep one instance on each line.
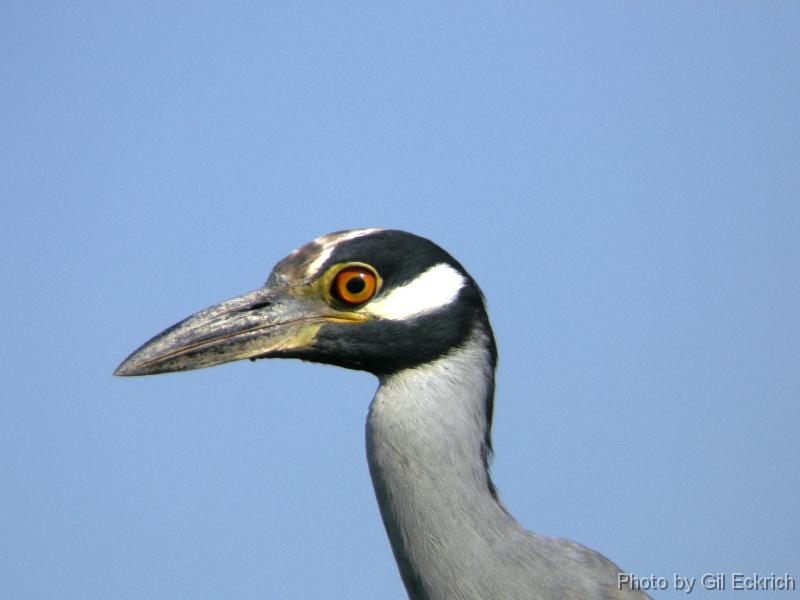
(384,346)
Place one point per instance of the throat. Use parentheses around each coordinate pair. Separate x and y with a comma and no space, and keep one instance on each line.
(427,444)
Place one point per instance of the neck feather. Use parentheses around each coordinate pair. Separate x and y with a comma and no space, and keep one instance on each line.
(427,445)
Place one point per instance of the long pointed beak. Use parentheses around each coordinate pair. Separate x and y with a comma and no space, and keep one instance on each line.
(270,321)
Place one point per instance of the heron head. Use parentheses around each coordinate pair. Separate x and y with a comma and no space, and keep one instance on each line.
(370,299)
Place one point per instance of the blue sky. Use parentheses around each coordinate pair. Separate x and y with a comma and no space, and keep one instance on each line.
(622,179)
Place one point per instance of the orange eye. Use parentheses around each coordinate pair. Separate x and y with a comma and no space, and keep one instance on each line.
(354,285)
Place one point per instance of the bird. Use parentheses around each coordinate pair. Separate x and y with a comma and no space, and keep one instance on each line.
(398,306)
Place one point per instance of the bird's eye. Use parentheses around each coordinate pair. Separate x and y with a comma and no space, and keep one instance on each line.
(354,285)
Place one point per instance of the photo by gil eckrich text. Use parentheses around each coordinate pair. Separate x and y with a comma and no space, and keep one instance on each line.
(710,582)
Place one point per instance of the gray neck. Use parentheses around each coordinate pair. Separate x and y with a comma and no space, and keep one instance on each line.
(425,446)
(451,537)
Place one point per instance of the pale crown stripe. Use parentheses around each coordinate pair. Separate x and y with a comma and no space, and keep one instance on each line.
(329,243)
(436,287)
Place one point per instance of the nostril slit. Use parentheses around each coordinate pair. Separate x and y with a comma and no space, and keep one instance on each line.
(258,305)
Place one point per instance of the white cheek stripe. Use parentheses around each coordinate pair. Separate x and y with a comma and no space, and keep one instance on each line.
(436,287)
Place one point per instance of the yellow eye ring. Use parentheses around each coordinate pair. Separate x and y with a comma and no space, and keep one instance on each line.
(354,285)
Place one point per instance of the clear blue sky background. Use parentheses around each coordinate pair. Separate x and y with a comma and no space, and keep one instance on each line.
(623,180)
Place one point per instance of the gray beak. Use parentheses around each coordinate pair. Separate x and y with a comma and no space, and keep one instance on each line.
(270,321)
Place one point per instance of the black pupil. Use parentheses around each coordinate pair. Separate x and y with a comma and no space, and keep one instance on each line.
(355,285)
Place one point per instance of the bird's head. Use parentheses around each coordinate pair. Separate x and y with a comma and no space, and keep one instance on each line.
(370,299)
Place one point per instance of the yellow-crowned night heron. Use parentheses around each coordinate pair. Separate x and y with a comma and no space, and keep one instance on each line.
(398,306)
